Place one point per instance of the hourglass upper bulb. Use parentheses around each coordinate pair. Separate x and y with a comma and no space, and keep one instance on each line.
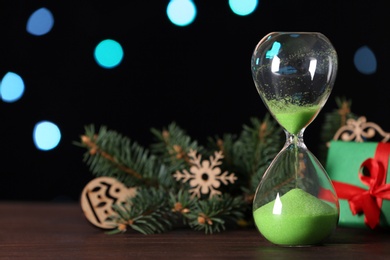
(294,70)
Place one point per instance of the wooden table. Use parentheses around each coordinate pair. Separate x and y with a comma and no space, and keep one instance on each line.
(37,230)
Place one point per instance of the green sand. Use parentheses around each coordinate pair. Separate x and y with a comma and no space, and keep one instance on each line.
(304,220)
(293,117)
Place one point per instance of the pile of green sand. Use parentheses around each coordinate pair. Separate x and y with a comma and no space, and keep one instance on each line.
(304,220)
(292,117)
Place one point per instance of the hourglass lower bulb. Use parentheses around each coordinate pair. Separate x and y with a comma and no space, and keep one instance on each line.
(295,203)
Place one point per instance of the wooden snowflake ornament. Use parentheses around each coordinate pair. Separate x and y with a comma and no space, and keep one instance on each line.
(205,176)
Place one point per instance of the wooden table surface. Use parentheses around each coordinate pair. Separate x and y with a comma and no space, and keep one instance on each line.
(38,230)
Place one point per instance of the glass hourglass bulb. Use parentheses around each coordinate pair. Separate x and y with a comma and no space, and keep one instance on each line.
(295,203)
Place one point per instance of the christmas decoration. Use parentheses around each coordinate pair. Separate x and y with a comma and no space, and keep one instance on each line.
(174,186)
(360,173)
(363,195)
(99,196)
(205,177)
(161,201)
(360,130)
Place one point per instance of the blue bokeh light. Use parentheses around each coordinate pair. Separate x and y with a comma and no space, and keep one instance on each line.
(181,12)
(365,60)
(108,53)
(243,7)
(11,87)
(46,135)
(40,22)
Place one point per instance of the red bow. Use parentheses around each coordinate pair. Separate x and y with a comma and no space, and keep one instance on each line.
(369,201)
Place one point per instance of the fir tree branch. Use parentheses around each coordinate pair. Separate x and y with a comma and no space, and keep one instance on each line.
(95,149)
(172,146)
(112,154)
(148,212)
(214,214)
(256,147)
(182,204)
(332,122)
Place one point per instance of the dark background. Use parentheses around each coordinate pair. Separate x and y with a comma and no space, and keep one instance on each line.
(198,76)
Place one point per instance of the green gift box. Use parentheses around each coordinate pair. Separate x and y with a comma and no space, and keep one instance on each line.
(360,174)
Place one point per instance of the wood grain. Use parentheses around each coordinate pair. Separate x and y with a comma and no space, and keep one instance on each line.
(36,230)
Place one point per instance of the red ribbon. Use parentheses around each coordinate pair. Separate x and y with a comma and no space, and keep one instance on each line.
(369,201)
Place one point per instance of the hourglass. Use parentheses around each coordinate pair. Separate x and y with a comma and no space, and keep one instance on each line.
(295,203)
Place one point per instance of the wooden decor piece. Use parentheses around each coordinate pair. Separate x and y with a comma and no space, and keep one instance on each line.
(98,197)
(360,131)
(205,177)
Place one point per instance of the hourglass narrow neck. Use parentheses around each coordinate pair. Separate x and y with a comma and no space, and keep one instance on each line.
(295,139)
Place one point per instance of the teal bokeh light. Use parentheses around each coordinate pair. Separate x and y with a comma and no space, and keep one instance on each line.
(243,7)
(108,53)
(40,22)
(11,87)
(181,12)
(46,135)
